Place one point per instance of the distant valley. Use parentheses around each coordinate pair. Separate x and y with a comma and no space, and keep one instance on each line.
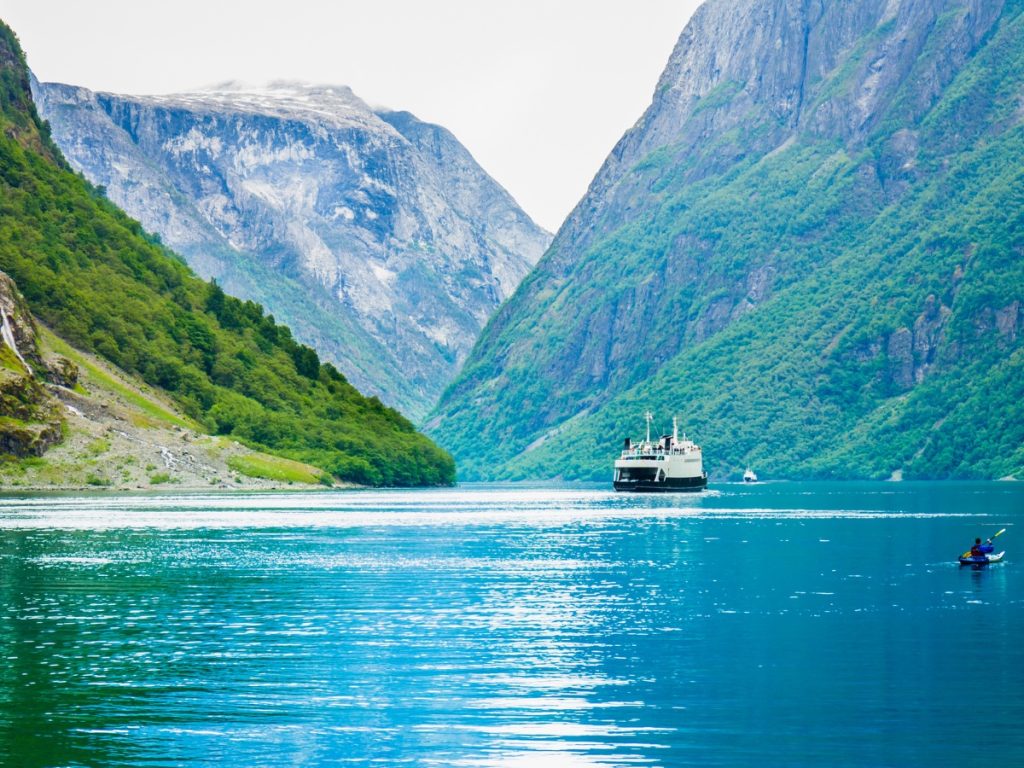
(809,248)
(375,236)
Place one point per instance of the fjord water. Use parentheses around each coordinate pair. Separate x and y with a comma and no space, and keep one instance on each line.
(783,624)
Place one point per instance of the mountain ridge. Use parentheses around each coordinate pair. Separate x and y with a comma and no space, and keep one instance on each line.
(739,200)
(375,235)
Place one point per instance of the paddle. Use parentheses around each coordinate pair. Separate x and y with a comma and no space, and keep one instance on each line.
(968,552)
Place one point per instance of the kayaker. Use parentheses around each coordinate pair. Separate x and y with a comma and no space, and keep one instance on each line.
(981,550)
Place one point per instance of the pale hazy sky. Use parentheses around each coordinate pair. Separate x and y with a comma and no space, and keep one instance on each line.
(538,90)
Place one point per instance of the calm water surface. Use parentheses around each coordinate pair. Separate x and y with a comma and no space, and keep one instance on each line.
(776,624)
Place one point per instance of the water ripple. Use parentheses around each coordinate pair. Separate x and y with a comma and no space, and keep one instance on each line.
(488,627)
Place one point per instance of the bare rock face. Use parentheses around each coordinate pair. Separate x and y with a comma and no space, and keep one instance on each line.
(30,418)
(746,76)
(1008,321)
(900,355)
(927,334)
(61,371)
(912,352)
(375,236)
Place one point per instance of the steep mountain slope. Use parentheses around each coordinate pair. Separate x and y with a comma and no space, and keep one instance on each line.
(90,273)
(809,247)
(374,235)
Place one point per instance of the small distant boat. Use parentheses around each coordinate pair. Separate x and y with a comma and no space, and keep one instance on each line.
(664,465)
(749,476)
(981,559)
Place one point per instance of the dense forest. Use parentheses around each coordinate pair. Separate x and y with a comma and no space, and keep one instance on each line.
(97,279)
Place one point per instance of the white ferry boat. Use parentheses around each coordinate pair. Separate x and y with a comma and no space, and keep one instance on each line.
(666,464)
(749,476)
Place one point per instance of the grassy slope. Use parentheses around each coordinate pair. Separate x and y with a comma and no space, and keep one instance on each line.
(798,385)
(276,468)
(120,433)
(91,274)
(140,396)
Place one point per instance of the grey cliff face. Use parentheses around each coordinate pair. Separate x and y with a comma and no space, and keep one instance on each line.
(746,76)
(375,236)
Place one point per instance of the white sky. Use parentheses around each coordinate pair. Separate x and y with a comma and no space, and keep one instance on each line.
(538,90)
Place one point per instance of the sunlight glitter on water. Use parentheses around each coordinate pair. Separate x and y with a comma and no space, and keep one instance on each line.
(498,626)
(359,509)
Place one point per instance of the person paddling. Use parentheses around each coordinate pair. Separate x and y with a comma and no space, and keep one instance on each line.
(981,554)
(981,550)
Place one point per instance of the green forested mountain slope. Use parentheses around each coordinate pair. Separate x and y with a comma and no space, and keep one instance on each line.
(812,254)
(91,274)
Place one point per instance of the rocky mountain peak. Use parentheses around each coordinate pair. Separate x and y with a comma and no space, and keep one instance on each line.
(374,235)
(329,105)
(767,69)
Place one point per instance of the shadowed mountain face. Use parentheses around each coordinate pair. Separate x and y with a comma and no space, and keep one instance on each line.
(809,247)
(374,235)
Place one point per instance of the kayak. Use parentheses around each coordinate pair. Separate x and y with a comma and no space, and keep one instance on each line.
(983,560)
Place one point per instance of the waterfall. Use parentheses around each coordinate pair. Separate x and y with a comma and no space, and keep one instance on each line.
(8,335)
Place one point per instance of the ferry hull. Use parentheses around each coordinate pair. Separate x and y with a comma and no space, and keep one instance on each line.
(669,485)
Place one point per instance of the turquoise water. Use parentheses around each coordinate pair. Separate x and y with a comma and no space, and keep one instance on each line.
(775,624)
